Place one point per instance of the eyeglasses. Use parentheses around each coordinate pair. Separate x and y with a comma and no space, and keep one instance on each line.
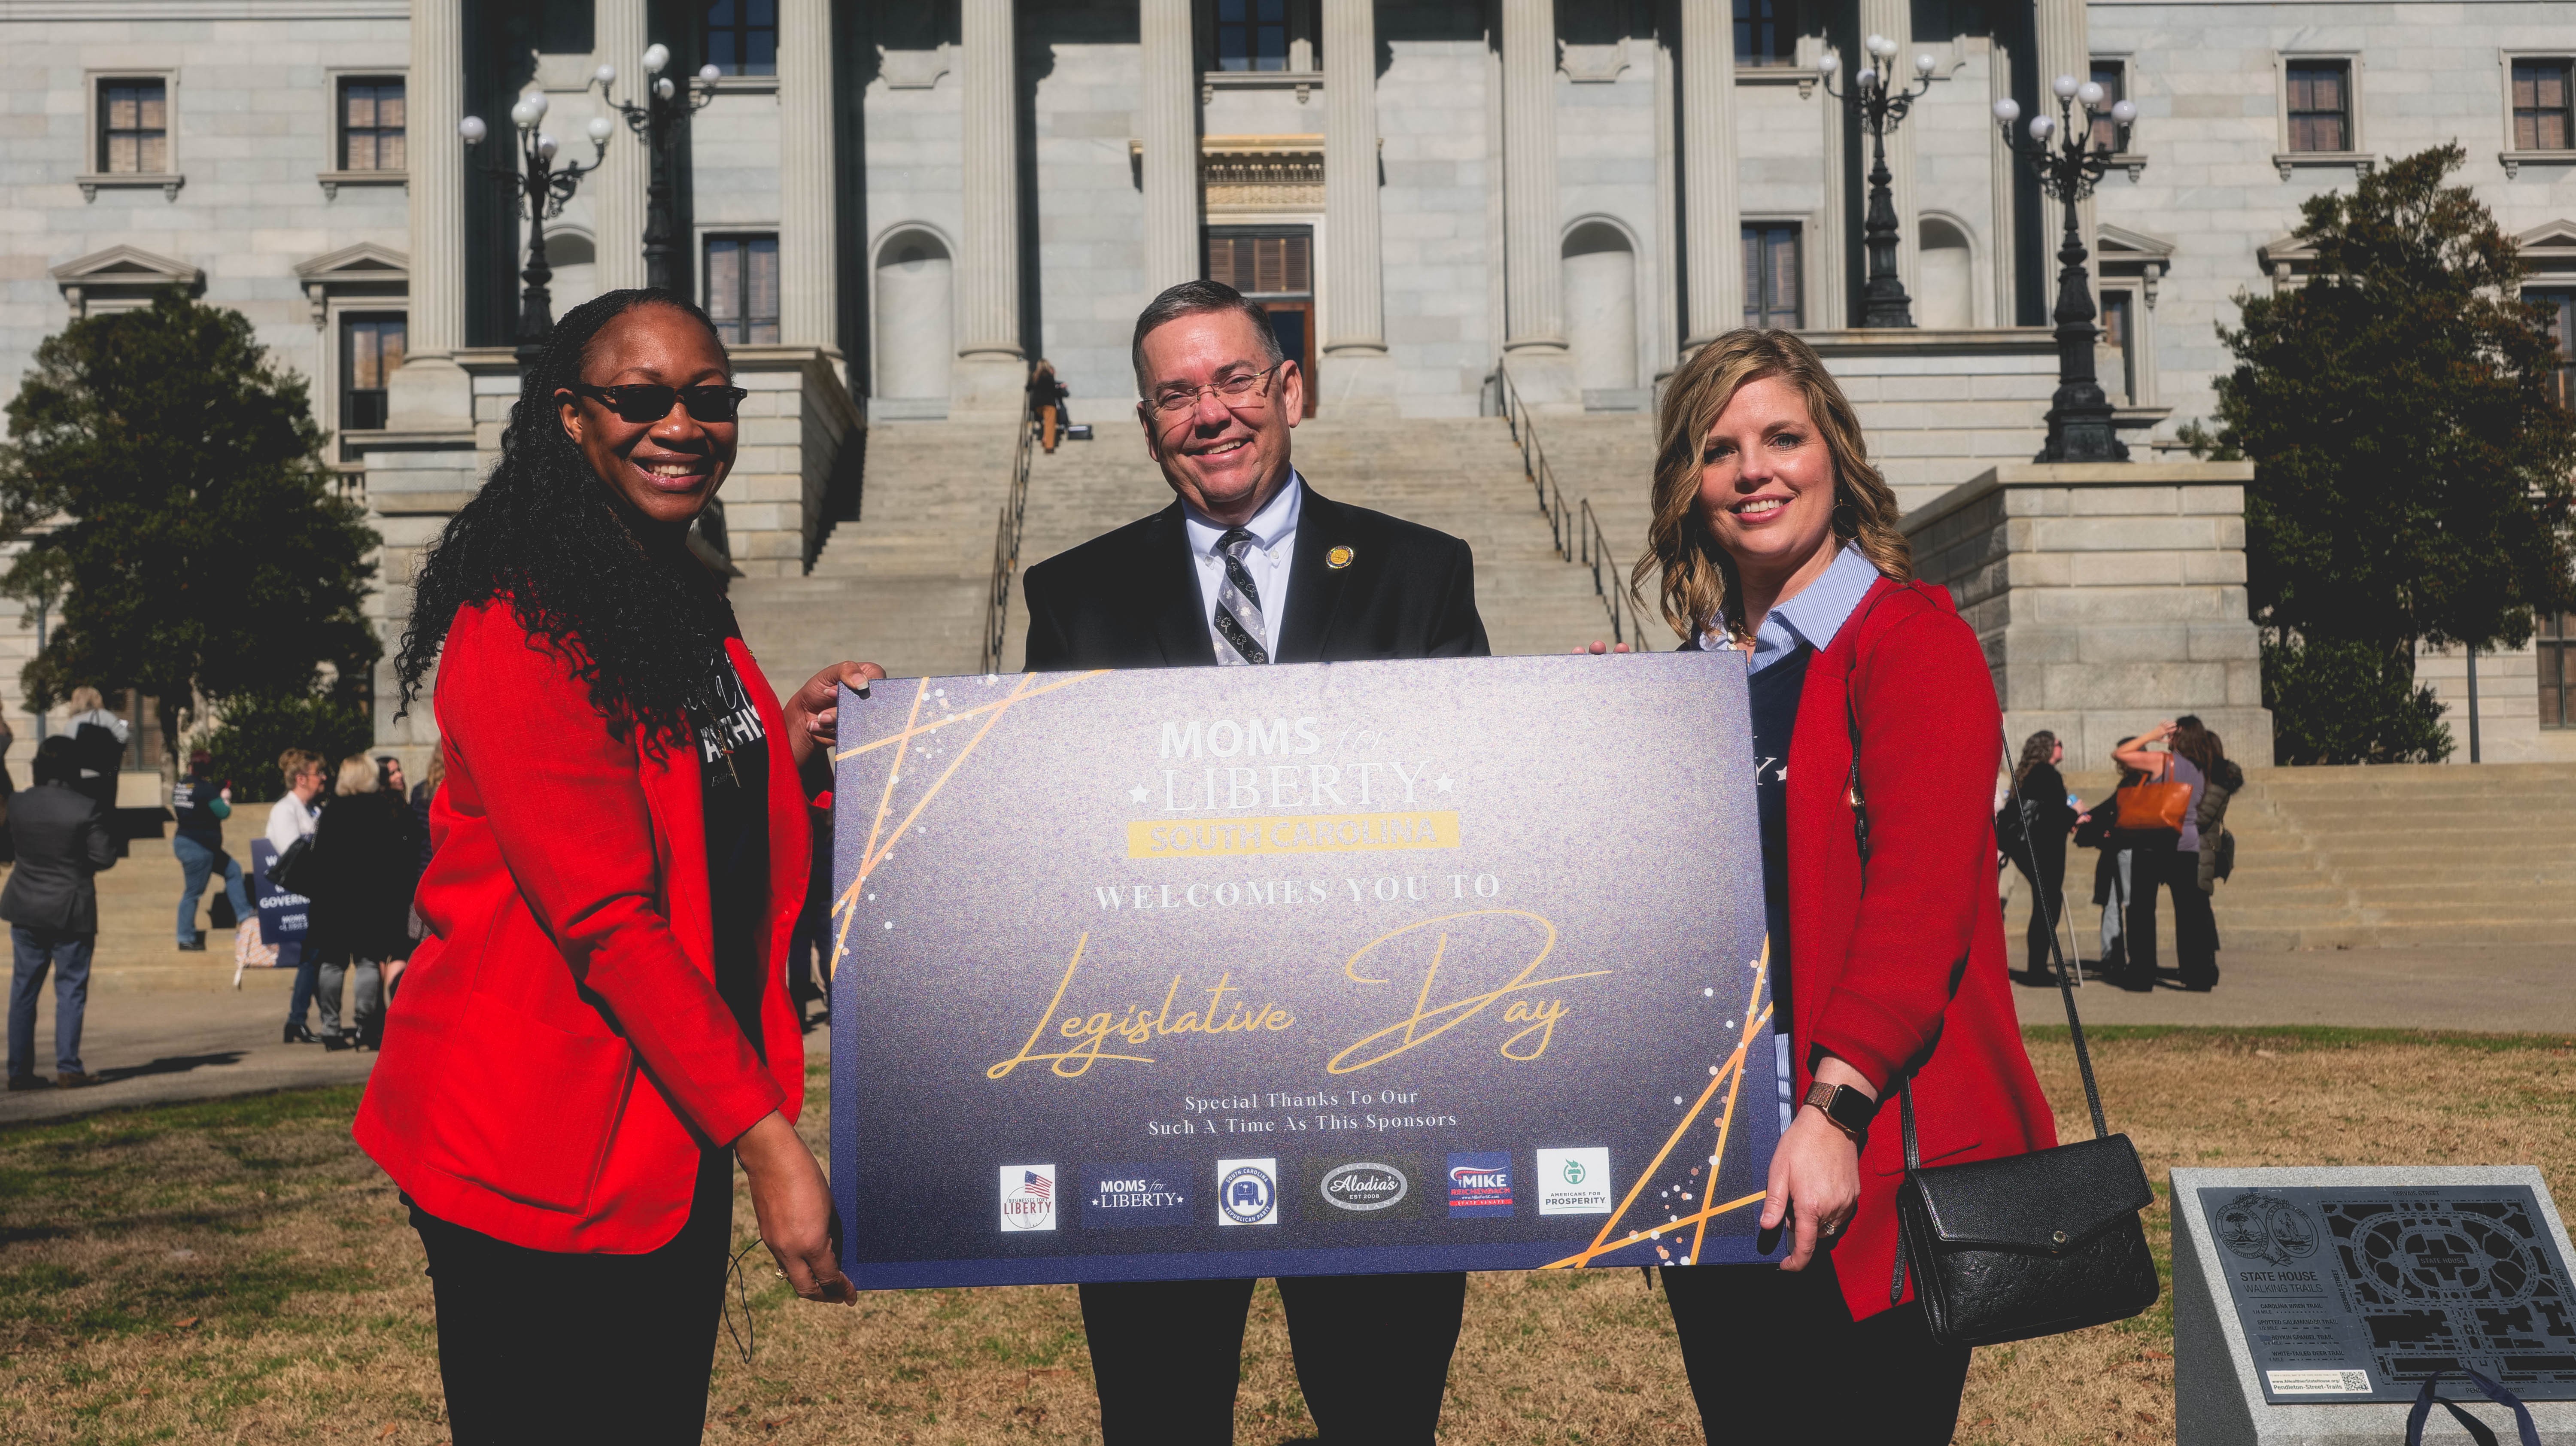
(1235,392)
(650,402)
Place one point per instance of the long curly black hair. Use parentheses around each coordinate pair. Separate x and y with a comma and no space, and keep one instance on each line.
(546,533)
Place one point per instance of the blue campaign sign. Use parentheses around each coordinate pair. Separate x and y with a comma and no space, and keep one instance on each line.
(1326,968)
(283,917)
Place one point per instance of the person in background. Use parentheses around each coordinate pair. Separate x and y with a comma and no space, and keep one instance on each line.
(2196,944)
(58,840)
(292,818)
(8,740)
(2163,860)
(2101,830)
(809,948)
(100,737)
(421,794)
(2046,820)
(201,806)
(363,848)
(1046,401)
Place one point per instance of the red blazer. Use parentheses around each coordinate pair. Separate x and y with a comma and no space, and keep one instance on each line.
(1909,971)
(558,1055)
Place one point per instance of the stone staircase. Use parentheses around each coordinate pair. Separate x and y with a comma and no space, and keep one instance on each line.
(2336,858)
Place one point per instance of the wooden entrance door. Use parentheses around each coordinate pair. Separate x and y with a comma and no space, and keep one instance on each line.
(1273,266)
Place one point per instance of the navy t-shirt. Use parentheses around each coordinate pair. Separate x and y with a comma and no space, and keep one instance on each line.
(733,779)
(191,802)
(1775,693)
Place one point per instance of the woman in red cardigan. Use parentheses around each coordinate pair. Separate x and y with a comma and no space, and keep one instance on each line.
(1777,544)
(597,1025)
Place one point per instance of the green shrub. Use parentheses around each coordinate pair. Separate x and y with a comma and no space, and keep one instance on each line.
(2349,702)
(255,731)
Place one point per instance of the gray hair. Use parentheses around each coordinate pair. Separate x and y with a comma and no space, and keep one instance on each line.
(1195,298)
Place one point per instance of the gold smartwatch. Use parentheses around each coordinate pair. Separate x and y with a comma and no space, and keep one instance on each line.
(1848,1108)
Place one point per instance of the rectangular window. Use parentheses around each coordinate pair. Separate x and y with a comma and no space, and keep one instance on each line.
(371,351)
(1252,34)
(2553,640)
(2320,105)
(1766,32)
(2541,106)
(1771,289)
(2113,77)
(2117,319)
(741,36)
(371,125)
(1264,265)
(2561,309)
(742,287)
(134,127)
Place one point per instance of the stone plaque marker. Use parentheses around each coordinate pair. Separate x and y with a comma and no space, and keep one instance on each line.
(2310,1304)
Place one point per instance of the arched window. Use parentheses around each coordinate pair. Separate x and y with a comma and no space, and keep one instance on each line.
(1601,306)
(1949,277)
(915,332)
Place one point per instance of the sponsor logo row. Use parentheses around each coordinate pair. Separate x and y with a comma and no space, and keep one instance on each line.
(1478,1185)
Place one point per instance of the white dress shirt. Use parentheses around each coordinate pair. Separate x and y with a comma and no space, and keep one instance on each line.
(290,820)
(1274,545)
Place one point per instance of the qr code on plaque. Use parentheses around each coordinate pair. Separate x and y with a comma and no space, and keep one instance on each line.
(2319,1383)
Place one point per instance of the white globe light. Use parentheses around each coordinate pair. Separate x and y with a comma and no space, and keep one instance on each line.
(537,104)
(546,145)
(605,75)
(1828,63)
(2064,85)
(663,88)
(2008,110)
(655,57)
(2089,93)
(473,129)
(2123,111)
(2042,127)
(710,72)
(1879,45)
(1924,62)
(521,116)
(600,128)
(1868,76)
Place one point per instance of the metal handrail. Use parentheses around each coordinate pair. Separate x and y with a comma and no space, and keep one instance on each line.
(1007,531)
(1577,533)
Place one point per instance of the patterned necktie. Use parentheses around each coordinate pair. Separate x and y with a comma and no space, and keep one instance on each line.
(1238,606)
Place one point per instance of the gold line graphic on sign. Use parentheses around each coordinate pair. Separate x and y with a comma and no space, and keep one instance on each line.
(1320,833)
(1728,1076)
(847,905)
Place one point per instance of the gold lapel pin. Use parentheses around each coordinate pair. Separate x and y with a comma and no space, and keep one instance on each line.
(1338,558)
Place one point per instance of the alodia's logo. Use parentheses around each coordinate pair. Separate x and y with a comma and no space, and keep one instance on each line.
(1028,1197)
(1480,1185)
(1364,1185)
(1247,1192)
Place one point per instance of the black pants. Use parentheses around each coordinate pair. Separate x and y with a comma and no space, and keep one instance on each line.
(2195,928)
(2048,899)
(1372,1355)
(540,1347)
(1774,1355)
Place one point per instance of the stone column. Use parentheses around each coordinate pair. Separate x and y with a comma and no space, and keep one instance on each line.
(2059,31)
(1167,123)
(1710,225)
(1357,374)
(430,392)
(2004,168)
(992,371)
(617,192)
(1894,19)
(809,304)
(1827,281)
(1533,263)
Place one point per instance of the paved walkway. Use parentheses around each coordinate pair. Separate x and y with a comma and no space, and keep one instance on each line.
(152,1045)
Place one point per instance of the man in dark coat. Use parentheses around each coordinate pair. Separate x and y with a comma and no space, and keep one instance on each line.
(1250,566)
(59,839)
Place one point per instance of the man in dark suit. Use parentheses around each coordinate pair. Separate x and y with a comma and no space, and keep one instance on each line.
(1250,566)
(59,839)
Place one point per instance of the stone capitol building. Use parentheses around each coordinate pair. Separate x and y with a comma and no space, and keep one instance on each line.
(1451,209)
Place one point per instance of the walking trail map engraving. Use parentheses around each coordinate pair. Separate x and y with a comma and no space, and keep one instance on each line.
(1327,968)
(2359,1293)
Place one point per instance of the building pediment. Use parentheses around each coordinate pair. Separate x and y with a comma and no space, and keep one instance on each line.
(2550,248)
(122,277)
(363,270)
(2121,243)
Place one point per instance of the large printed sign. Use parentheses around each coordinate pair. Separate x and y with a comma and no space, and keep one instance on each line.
(1327,968)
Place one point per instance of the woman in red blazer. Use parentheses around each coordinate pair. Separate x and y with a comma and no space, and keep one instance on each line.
(597,1025)
(1777,544)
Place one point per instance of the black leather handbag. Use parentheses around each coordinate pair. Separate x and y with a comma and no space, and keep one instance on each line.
(2031,1244)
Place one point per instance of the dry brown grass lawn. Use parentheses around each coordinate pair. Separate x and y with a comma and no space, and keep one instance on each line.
(236,1271)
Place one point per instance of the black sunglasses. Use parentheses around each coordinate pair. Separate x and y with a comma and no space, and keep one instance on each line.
(651,402)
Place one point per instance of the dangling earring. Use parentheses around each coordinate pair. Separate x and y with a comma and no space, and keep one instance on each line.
(1846,519)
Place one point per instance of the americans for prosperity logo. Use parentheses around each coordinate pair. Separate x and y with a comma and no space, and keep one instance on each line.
(1028,1197)
(1247,1192)
(1574,1182)
(1480,1185)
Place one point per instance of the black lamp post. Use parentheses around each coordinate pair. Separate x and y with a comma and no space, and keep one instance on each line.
(2067,161)
(543,188)
(660,119)
(1881,106)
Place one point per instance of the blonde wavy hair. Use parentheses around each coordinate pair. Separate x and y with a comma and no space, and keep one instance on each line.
(1699,588)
